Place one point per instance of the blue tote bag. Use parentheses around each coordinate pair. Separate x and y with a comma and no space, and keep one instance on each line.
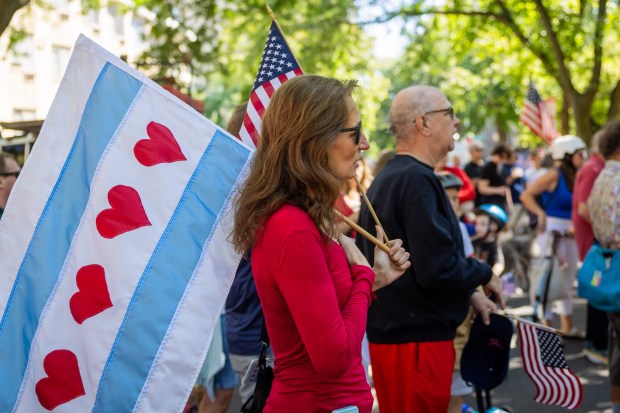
(599,279)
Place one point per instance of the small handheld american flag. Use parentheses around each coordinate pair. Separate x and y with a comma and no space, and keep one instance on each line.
(276,67)
(538,115)
(544,363)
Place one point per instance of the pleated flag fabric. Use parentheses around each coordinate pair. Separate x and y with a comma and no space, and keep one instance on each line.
(545,364)
(115,259)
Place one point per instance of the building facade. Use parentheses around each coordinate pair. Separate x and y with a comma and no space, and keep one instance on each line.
(31,72)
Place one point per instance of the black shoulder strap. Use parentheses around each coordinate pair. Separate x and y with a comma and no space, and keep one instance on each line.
(264,337)
(264,345)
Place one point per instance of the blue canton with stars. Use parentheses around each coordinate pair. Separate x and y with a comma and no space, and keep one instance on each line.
(533,95)
(550,351)
(277,58)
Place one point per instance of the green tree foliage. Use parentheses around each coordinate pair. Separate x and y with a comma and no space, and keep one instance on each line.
(482,52)
(222,43)
(450,53)
(569,47)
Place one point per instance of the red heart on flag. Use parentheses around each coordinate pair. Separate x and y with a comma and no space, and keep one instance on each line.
(93,296)
(159,147)
(126,212)
(63,382)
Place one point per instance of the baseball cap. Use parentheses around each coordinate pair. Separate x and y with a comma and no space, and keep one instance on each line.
(449,180)
(485,358)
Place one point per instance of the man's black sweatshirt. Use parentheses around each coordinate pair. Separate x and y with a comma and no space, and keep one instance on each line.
(430,300)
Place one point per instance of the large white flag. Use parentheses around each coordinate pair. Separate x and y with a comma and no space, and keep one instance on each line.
(114,254)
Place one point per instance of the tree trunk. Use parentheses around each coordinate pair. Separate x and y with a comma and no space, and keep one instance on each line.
(614,104)
(7,10)
(564,115)
(582,108)
(501,133)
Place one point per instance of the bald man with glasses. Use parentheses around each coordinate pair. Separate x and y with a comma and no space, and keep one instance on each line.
(412,323)
(9,171)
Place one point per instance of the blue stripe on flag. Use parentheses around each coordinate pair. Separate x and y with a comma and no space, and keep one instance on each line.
(112,95)
(167,274)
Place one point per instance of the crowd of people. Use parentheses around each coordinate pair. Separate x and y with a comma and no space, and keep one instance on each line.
(334,300)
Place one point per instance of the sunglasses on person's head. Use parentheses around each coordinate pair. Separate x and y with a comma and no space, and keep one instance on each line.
(449,111)
(15,174)
(358,132)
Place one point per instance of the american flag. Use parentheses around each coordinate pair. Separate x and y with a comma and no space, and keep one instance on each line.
(276,67)
(539,115)
(544,363)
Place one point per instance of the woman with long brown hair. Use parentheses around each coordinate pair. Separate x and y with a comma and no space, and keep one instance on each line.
(315,286)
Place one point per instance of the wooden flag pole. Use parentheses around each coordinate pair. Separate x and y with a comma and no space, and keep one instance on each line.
(537,325)
(273,17)
(372,211)
(363,232)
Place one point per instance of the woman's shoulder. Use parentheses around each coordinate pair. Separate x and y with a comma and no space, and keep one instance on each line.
(288,219)
(549,180)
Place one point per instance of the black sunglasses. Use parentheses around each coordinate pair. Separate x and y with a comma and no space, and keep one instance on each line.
(449,111)
(358,132)
(15,174)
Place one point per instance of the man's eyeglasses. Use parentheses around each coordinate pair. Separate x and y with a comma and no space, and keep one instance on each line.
(15,174)
(449,111)
(358,132)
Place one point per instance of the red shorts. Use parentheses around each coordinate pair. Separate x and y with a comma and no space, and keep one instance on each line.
(413,377)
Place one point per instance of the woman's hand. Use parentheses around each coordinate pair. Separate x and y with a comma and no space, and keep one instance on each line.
(353,254)
(389,267)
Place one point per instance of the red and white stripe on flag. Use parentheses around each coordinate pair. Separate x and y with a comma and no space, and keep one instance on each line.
(549,130)
(276,67)
(539,115)
(544,363)
(530,117)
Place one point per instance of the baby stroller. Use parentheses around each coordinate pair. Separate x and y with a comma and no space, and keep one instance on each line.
(485,359)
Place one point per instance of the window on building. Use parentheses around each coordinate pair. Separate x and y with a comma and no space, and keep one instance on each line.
(28,91)
(119,20)
(23,54)
(138,24)
(61,59)
(58,4)
(23,114)
(93,16)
